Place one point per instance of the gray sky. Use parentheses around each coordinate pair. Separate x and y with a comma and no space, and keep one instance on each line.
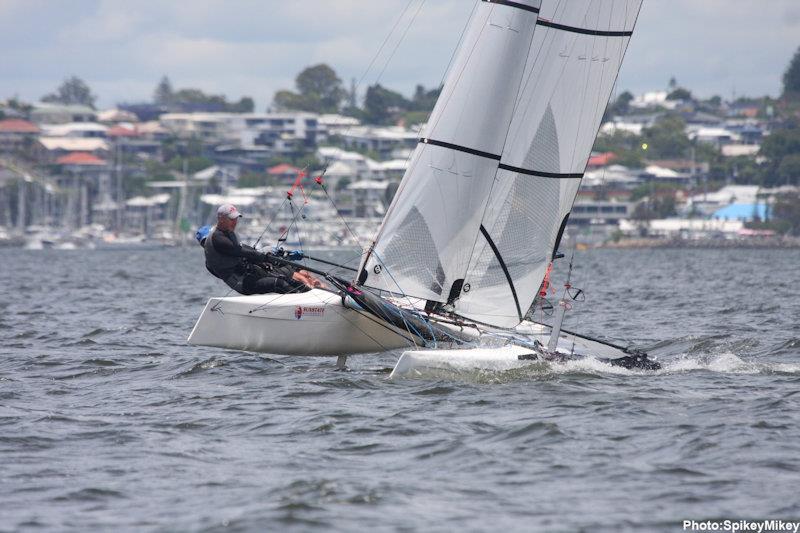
(254,47)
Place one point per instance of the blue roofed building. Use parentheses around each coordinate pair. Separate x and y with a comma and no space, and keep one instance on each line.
(743,212)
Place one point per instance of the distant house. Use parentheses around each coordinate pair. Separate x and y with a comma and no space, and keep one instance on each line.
(658,174)
(284,173)
(144,112)
(116,116)
(600,160)
(738,150)
(382,141)
(17,135)
(681,166)
(743,212)
(51,148)
(118,131)
(368,198)
(593,212)
(85,130)
(712,202)
(80,159)
(44,113)
(716,136)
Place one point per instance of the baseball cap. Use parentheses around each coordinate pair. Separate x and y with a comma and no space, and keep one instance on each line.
(228,211)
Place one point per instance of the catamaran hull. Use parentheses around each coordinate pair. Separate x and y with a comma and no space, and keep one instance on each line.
(313,323)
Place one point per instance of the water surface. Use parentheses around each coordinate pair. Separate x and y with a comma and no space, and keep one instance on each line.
(108,420)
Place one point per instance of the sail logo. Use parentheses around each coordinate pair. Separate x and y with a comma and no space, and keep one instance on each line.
(301,310)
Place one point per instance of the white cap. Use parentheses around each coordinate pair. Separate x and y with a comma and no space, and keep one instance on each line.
(228,211)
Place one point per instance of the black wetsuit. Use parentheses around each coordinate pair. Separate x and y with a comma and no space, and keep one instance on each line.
(244,269)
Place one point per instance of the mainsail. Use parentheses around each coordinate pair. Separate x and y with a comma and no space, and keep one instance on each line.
(480,211)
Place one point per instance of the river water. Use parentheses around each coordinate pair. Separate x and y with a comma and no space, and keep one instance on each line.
(110,421)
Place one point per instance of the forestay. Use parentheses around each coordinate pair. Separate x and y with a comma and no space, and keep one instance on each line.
(490,186)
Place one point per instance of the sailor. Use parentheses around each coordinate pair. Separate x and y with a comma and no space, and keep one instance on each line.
(242,267)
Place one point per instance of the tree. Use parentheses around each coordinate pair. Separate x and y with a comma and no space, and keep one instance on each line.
(320,83)
(667,138)
(190,99)
(791,78)
(680,94)
(620,106)
(424,99)
(244,105)
(780,145)
(673,83)
(290,100)
(73,91)
(787,209)
(382,105)
(789,169)
(163,95)
(319,90)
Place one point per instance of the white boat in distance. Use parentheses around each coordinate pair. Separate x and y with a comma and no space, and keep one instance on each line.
(479,215)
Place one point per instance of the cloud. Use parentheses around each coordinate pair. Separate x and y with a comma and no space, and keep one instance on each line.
(254,47)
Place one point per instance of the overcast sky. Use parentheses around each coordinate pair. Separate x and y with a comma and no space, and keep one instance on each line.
(254,47)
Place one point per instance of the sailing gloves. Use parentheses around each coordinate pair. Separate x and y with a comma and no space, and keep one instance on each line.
(291,255)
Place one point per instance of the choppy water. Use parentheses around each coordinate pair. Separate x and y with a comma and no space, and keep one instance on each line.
(109,421)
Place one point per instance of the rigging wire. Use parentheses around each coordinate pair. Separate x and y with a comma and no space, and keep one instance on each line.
(402,38)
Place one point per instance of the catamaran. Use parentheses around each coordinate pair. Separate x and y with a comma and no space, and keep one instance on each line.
(478,218)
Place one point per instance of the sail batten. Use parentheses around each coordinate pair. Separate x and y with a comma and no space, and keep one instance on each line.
(493,178)
(458,148)
(517,5)
(541,174)
(587,31)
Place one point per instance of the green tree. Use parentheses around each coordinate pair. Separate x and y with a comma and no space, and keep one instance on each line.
(73,91)
(680,94)
(244,105)
(288,100)
(787,209)
(789,169)
(319,90)
(780,145)
(620,106)
(382,106)
(191,99)
(667,138)
(424,99)
(320,83)
(791,78)
(163,95)
(626,146)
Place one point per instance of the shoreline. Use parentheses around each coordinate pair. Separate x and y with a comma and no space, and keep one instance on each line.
(765,243)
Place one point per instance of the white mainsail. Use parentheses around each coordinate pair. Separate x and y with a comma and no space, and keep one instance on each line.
(480,210)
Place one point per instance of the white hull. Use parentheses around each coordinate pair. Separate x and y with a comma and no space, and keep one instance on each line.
(309,323)
(488,359)
(316,323)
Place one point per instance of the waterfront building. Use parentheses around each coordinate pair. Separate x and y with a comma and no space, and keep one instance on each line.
(45,113)
(17,136)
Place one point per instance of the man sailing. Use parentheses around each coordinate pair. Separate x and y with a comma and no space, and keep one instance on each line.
(242,267)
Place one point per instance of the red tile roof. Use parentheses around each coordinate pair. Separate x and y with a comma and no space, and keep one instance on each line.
(282,169)
(601,160)
(16,125)
(122,131)
(80,158)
